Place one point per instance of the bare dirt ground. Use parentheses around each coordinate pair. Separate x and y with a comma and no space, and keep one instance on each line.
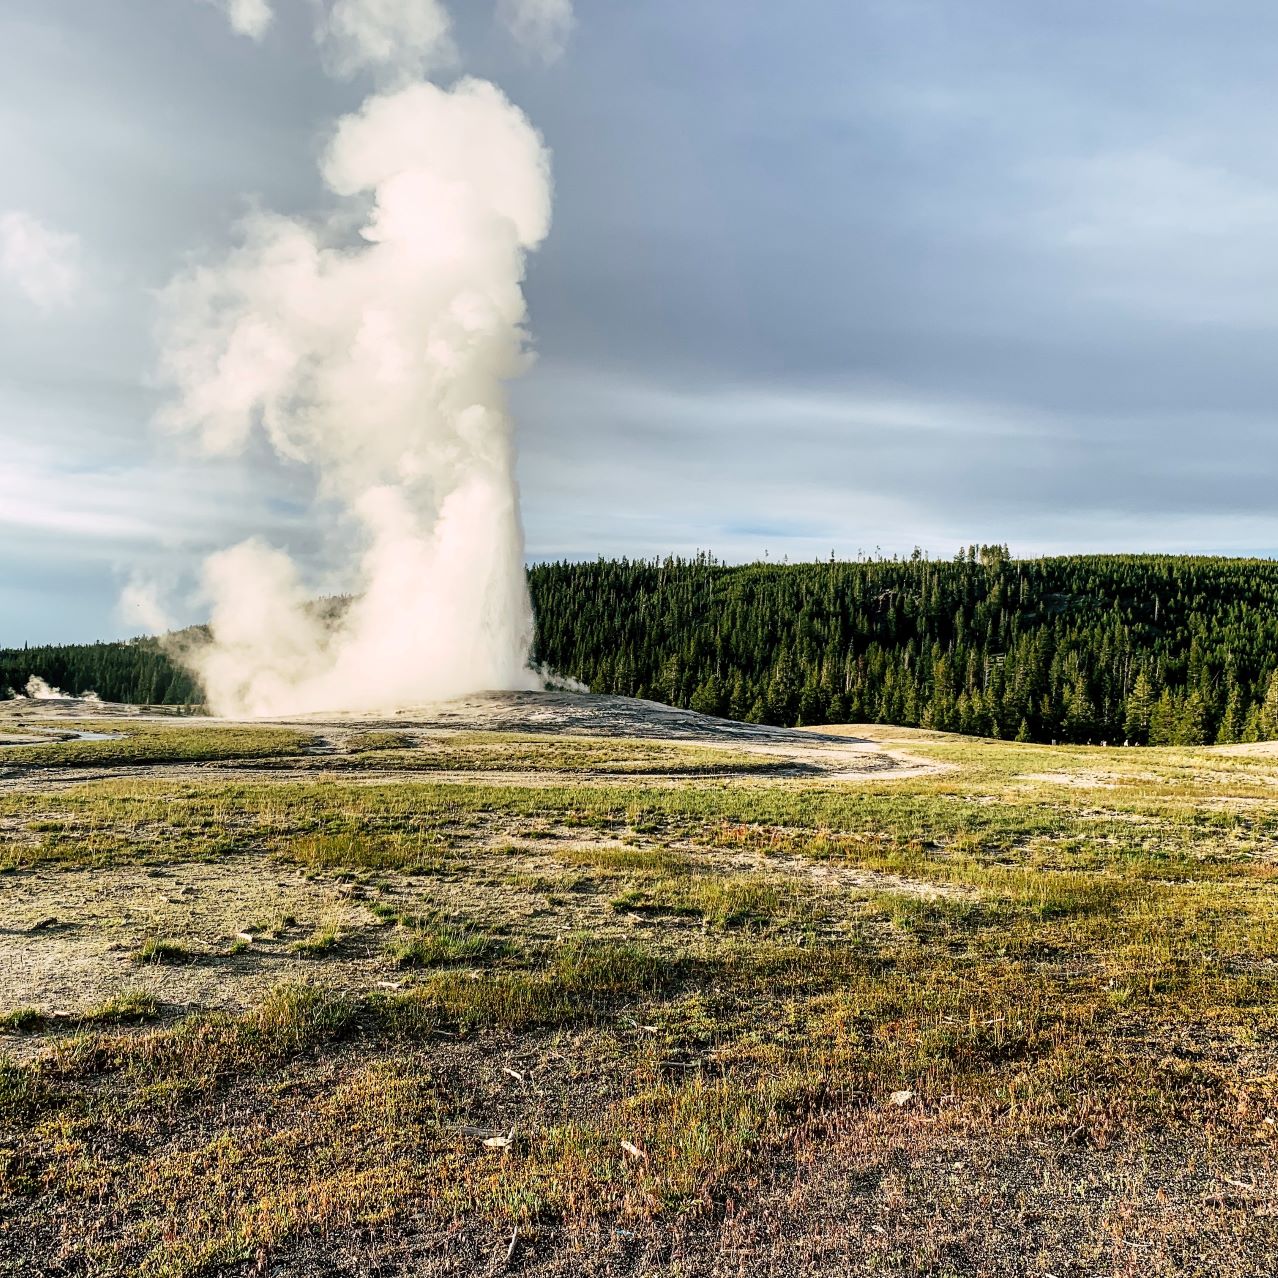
(70,939)
(1257,749)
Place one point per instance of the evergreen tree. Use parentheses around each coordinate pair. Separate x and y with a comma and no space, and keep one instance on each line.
(1269,710)
(1234,719)
(1164,721)
(1139,710)
(1251,725)
(1191,722)
(1079,720)
(709,698)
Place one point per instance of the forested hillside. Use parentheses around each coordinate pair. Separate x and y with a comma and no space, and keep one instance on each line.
(137,671)
(1149,649)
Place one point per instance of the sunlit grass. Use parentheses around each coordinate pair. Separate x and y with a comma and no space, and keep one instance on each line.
(143,742)
(1064,949)
(432,943)
(160,949)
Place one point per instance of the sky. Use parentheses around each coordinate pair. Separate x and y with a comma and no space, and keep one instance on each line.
(828,277)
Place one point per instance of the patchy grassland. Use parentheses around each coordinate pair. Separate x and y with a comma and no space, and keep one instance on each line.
(125,743)
(1019,1016)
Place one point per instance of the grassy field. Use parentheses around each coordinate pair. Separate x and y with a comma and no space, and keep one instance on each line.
(1016,1015)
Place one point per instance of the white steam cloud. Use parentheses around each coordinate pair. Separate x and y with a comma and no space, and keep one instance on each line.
(411,36)
(542,26)
(248,17)
(43,264)
(379,360)
(140,606)
(38,689)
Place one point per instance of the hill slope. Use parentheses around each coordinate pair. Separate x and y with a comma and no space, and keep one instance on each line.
(1152,649)
(1148,648)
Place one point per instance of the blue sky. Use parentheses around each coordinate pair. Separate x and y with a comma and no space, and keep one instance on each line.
(824,276)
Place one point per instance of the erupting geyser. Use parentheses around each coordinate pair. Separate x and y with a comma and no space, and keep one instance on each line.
(374,347)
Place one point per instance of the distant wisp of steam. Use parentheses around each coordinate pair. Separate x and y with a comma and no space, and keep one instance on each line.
(373,346)
(38,689)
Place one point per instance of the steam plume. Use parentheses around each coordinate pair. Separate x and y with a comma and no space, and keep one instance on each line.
(38,689)
(379,360)
(409,35)
(249,17)
(39,261)
(541,26)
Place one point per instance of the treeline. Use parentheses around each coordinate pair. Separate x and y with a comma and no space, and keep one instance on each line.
(136,671)
(1147,649)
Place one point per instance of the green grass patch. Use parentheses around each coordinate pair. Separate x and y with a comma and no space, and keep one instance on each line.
(128,1007)
(324,939)
(575,981)
(22,1020)
(137,743)
(392,850)
(426,943)
(1022,963)
(159,949)
(721,900)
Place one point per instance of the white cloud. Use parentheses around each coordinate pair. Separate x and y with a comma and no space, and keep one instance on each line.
(1166,233)
(411,36)
(1129,198)
(543,26)
(248,17)
(40,262)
